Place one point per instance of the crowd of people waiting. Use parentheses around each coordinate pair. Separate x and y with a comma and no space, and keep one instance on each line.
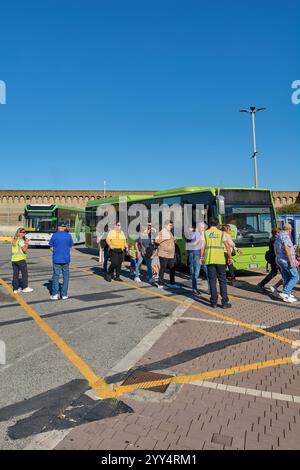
(211,249)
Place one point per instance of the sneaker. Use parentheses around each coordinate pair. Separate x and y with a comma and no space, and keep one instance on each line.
(137,279)
(261,288)
(65,297)
(287,298)
(160,287)
(118,279)
(213,305)
(17,291)
(54,297)
(107,277)
(27,289)
(227,305)
(292,299)
(152,280)
(173,286)
(274,290)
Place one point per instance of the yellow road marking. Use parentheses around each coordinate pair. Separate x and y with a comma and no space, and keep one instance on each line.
(122,389)
(97,383)
(213,314)
(201,309)
(5,239)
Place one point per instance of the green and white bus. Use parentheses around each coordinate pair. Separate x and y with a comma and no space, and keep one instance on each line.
(92,219)
(41,222)
(249,212)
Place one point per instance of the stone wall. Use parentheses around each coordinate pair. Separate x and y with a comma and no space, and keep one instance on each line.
(284,198)
(12,202)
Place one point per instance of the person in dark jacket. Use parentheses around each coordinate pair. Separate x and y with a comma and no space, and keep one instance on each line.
(271,259)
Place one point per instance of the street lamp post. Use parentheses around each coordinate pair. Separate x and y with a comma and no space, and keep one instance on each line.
(253,110)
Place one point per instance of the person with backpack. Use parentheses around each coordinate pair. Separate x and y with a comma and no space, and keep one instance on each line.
(287,263)
(271,260)
(145,248)
(227,237)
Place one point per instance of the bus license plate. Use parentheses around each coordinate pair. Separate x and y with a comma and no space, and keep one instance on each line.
(253,266)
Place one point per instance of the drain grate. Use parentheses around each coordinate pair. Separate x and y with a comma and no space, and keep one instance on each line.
(141,376)
(221,439)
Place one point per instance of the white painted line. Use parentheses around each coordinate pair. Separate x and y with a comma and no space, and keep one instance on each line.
(266,394)
(223,322)
(280,396)
(53,438)
(47,440)
(247,391)
(253,392)
(148,341)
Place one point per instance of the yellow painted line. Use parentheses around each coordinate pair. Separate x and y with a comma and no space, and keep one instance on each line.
(213,314)
(97,383)
(201,309)
(5,239)
(123,389)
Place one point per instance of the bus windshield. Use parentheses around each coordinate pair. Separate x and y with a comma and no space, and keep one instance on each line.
(46,226)
(41,224)
(250,225)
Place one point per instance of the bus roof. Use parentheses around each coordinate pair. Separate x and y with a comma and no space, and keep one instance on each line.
(167,192)
(198,189)
(116,199)
(51,207)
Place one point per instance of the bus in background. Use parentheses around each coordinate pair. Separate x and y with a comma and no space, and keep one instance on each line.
(41,222)
(91,218)
(249,212)
(294,221)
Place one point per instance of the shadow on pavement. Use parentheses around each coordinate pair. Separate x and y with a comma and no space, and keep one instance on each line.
(63,407)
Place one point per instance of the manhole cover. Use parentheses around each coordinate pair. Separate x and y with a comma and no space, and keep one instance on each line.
(141,376)
(221,439)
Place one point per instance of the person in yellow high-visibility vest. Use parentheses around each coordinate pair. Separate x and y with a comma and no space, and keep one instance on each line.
(19,249)
(117,243)
(212,254)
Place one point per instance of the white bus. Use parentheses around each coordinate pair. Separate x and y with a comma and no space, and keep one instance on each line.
(41,222)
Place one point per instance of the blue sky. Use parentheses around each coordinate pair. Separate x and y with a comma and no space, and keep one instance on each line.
(145,94)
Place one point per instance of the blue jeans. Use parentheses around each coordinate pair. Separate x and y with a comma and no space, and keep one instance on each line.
(195,268)
(290,278)
(148,264)
(57,268)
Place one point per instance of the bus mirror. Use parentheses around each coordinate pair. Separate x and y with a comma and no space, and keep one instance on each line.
(221,205)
